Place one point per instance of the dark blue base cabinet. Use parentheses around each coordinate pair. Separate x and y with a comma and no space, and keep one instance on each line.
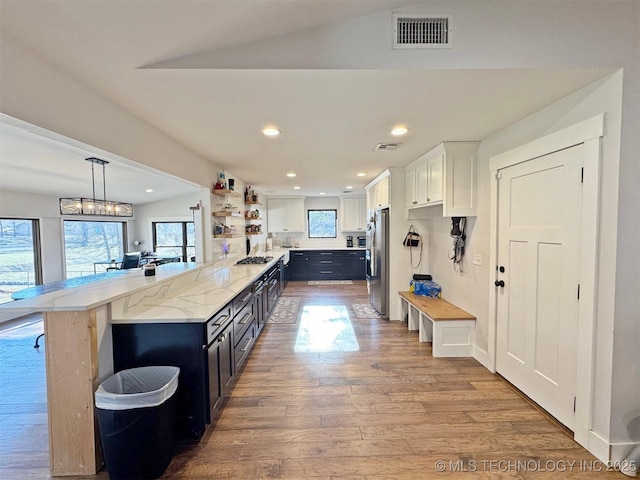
(210,355)
(326,265)
(178,345)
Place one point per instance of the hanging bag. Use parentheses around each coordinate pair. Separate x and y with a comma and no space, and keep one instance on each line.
(412,238)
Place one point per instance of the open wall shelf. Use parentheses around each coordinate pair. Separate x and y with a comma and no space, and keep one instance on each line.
(225,191)
(227,214)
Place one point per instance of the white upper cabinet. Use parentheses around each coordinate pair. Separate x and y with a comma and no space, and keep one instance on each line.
(444,176)
(285,215)
(378,192)
(424,182)
(353,214)
(433,180)
(410,187)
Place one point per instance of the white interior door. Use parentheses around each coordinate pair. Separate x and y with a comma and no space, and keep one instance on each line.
(539,229)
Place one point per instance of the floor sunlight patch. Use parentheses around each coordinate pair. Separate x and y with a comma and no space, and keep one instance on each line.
(325,328)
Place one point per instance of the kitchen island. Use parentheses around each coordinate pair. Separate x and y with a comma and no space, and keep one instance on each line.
(79,343)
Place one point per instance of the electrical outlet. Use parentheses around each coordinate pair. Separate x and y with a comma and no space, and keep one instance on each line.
(477,259)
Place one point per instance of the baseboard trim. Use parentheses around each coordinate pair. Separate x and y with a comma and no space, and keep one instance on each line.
(483,357)
(624,455)
(599,447)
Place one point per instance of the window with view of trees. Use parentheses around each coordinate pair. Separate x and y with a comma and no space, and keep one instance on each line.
(19,256)
(86,243)
(322,223)
(174,239)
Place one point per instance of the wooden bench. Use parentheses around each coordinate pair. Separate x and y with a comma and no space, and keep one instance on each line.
(450,329)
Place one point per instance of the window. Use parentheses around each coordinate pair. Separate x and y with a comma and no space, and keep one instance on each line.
(322,223)
(19,256)
(90,246)
(174,239)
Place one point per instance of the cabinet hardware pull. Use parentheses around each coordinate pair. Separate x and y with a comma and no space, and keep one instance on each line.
(243,321)
(246,297)
(246,346)
(221,321)
(221,338)
(326,261)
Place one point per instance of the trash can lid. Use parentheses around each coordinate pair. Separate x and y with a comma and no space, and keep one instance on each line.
(137,388)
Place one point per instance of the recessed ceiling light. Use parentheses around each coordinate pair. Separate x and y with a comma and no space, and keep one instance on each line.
(322,193)
(291,174)
(271,131)
(399,130)
(349,187)
(296,188)
(360,174)
(149,190)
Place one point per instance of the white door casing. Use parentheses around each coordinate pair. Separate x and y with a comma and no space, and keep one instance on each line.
(539,230)
(588,133)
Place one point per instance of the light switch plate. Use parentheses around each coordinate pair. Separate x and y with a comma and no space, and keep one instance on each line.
(477,259)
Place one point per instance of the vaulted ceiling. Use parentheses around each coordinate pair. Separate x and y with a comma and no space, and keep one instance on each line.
(212,74)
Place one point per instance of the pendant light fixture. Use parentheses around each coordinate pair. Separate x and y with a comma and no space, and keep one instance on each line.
(93,206)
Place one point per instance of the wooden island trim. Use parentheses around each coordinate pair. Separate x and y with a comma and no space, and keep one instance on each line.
(72,377)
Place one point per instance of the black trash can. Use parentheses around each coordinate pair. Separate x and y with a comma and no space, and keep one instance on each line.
(136,417)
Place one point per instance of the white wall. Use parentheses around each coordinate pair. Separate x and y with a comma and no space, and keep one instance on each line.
(175,209)
(302,238)
(39,93)
(488,34)
(46,210)
(615,397)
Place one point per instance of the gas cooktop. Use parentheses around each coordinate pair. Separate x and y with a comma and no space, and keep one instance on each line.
(254,260)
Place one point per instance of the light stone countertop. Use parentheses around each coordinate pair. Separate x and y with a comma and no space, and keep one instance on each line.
(95,294)
(194,298)
(294,249)
(179,292)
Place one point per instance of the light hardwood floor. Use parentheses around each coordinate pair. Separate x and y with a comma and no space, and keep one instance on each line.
(387,410)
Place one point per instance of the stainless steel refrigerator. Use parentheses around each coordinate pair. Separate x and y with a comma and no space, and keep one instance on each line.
(377,260)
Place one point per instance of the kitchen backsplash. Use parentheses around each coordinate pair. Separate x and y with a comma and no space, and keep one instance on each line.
(302,241)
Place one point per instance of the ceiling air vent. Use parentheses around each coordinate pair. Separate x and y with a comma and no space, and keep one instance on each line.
(384,147)
(421,31)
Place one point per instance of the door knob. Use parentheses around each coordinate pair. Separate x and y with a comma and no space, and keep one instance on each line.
(499,283)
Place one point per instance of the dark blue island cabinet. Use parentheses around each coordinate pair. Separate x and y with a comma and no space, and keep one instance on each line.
(210,354)
(204,353)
